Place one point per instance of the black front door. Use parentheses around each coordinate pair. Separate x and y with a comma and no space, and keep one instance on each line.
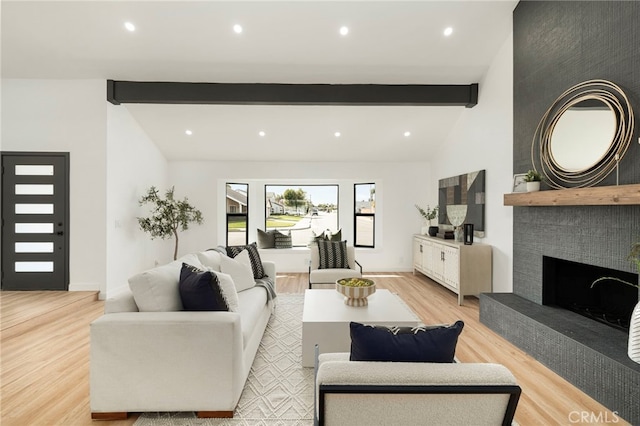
(35,221)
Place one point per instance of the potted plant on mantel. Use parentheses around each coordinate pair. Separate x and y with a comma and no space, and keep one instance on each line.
(533,179)
(428,215)
(168,215)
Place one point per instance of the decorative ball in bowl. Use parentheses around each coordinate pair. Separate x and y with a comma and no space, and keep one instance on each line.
(355,290)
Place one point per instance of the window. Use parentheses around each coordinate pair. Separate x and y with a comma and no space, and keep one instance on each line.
(365,214)
(237,219)
(301,210)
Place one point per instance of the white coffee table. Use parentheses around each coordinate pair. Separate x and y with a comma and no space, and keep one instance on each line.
(325,319)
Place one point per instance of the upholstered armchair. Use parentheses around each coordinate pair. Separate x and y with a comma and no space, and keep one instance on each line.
(322,267)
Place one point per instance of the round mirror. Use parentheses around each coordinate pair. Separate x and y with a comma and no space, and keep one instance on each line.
(582,135)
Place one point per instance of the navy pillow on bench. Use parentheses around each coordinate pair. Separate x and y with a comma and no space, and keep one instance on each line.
(404,344)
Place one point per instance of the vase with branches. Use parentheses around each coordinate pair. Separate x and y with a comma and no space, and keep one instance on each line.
(428,215)
(634,326)
(168,216)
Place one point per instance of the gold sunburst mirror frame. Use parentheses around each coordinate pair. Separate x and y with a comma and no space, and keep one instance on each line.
(554,160)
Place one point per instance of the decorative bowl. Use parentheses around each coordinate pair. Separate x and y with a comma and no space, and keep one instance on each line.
(355,290)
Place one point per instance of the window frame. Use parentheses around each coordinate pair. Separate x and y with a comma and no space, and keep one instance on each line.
(297,186)
(229,215)
(356,215)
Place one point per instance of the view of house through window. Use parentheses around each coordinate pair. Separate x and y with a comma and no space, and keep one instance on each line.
(365,214)
(237,208)
(301,210)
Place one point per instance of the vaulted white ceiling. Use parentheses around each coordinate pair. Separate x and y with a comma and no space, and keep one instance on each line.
(389,42)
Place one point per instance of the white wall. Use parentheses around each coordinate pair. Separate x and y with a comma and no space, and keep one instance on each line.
(483,139)
(134,164)
(67,116)
(398,187)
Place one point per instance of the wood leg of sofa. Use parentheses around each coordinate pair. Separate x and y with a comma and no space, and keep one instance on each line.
(214,414)
(110,416)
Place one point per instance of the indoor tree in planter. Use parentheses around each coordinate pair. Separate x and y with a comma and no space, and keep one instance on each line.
(168,215)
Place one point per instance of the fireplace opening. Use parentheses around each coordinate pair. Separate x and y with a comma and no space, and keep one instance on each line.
(570,285)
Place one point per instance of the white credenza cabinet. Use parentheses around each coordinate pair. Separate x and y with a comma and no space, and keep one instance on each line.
(464,269)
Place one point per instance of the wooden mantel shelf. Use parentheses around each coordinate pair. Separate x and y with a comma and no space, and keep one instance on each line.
(598,196)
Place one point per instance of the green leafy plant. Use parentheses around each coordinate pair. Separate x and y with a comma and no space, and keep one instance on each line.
(168,216)
(533,176)
(428,214)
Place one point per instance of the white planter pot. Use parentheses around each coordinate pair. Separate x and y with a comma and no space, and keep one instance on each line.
(634,335)
(533,186)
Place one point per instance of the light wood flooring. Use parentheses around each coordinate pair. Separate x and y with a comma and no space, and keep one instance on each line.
(45,354)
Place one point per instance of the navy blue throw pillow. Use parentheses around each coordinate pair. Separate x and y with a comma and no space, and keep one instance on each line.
(200,290)
(404,344)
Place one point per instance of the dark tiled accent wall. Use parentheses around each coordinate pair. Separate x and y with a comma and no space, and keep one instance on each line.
(558,44)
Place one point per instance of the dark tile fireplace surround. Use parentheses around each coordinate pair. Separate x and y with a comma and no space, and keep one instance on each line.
(557,44)
(573,246)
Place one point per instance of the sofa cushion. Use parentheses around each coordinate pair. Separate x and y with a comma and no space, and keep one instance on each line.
(254,256)
(333,254)
(266,239)
(200,290)
(251,305)
(404,344)
(228,290)
(210,259)
(240,270)
(156,290)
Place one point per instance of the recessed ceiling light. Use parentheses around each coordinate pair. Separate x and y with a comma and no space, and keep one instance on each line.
(407,134)
(237,28)
(448,31)
(344,30)
(336,134)
(129,26)
(188,132)
(262,133)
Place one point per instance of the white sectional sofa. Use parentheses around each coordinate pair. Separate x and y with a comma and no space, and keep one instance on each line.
(174,360)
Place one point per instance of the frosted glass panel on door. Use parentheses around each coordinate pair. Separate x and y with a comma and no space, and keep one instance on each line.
(35,170)
(34,208)
(34,247)
(34,228)
(34,189)
(34,266)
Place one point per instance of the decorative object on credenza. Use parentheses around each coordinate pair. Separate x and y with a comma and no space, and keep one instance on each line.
(457,213)
(355,290)
(428,215)
(468,233)
(463,190)
(633,347)
(519,184)
(168,216)
(445,235)
(533,179)
(583,135)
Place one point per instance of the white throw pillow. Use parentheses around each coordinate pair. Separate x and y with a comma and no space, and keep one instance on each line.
(210,259)
(228,288)
(156,290)
(240,270)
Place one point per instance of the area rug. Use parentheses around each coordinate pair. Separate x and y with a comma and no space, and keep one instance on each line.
(279,391)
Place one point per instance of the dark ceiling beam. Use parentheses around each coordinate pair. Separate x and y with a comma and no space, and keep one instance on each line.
(146,92)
